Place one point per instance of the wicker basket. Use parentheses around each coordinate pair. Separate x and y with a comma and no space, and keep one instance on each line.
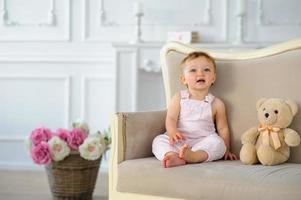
(73,178)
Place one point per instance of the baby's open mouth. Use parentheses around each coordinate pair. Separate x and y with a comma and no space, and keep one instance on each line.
(200,80)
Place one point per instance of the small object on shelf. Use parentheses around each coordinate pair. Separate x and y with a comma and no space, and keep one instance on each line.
(150,66)
(183,36)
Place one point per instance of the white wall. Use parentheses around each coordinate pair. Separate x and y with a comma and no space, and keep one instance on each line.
(57,63)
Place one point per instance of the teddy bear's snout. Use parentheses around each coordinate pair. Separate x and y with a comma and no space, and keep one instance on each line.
(269,117)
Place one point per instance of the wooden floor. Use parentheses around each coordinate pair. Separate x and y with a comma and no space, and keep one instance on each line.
(33,185)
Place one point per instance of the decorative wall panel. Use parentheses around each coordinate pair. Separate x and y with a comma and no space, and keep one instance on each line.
(33,101)
(35,20)
(98,96)
(262,19)
(112,20)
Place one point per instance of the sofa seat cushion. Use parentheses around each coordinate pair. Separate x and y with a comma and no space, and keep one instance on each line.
(213,180)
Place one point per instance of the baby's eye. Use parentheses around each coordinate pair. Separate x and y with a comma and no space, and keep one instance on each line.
(192,70)
(263,109)
(207,70)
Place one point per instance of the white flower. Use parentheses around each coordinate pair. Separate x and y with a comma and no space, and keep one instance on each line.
(81,125)
(92,148)
(58,148)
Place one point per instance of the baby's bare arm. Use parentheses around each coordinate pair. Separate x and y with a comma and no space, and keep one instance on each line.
(172,120)
(222,126)
(221,121)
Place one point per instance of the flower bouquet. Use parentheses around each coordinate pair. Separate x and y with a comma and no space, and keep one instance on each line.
(72,159)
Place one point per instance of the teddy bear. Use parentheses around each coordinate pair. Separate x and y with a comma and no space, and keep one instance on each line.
(269,142)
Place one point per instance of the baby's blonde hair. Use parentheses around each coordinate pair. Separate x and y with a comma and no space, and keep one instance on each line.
(197,54)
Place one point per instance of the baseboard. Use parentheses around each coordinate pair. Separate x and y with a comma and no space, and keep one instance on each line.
(34,167)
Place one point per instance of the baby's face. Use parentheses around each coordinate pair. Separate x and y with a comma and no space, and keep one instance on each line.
(198,73)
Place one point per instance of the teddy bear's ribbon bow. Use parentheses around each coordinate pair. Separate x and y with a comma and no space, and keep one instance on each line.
(270,130)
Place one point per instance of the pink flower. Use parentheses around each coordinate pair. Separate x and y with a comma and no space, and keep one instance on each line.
(63,134)
(40,153)
(45,146)
(77,137)
(40,135)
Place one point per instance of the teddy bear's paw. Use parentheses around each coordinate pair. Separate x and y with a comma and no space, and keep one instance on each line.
(292,138)
(248,154)
(268,156)
(249,136)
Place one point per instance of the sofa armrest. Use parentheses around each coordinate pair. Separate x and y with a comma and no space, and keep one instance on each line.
(133,133)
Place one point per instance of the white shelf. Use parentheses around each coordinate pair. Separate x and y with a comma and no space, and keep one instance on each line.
(227,46)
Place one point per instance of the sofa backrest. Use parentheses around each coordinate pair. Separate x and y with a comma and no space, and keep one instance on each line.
(242,79)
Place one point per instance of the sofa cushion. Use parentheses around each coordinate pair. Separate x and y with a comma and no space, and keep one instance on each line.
(213,180)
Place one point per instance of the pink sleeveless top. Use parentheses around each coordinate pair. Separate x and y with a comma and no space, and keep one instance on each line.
(195,118)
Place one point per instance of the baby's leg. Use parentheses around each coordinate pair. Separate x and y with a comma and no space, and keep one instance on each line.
(213,145)
(172,159)
(209,148)
(161,146)
(192,156)
(165,152)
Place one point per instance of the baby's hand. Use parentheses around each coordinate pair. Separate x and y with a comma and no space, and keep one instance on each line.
(230,156)
(175,137)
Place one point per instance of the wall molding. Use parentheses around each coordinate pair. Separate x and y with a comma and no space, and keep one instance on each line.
(29,29)
(104,24)
(31,166)
(57,58)
(42,77)
(262,21)
(7,22)
(20,166)
(132,87)
(206,19)
(103,20)
(8,138)
(84,93)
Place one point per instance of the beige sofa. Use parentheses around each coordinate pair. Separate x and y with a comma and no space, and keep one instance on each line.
(242,78)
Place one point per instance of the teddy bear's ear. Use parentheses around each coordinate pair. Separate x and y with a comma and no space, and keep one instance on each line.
(293,106)
(260,102)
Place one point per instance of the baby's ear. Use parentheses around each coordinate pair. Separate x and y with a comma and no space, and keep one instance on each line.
(214,79)
(182,79)
(260,102)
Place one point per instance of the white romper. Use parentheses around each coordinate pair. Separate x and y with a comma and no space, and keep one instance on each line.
(196,123)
